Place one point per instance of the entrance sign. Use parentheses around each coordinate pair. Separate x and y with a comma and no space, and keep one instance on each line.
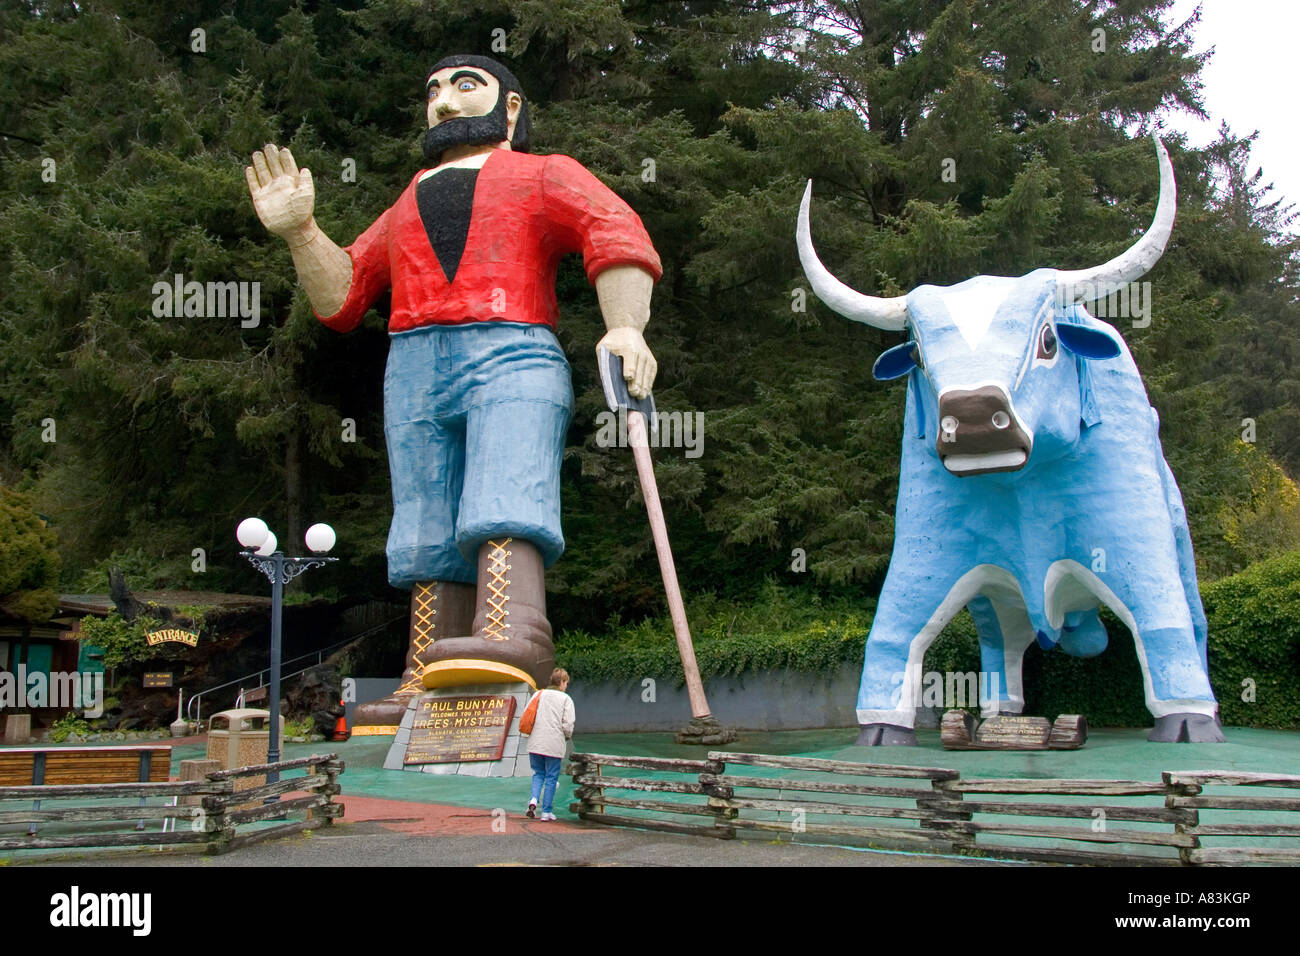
(172,634)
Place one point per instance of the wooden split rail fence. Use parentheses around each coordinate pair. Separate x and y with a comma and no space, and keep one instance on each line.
(208,811)
(928,809)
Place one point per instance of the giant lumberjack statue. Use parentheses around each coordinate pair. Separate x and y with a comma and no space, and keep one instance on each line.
(477,397)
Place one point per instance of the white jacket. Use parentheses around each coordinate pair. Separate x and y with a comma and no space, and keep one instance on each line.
(553,725)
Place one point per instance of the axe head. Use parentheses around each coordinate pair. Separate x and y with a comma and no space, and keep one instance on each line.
(617,395)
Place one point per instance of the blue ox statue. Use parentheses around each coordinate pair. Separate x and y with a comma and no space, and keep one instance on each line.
(1033,489)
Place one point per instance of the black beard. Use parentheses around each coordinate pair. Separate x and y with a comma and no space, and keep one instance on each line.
(467,131)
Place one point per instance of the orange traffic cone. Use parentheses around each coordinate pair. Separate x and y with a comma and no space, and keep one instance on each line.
(341,731)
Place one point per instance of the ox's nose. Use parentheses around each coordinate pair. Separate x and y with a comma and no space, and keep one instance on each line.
(979,432)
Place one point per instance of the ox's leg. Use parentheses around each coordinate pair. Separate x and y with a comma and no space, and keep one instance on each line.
(1186,563)
(1177,685)
(1004,634)
(1174,670)
(1143,581)
(913,609)
(1171,636)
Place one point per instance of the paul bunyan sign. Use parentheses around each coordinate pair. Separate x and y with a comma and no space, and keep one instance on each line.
(172,634)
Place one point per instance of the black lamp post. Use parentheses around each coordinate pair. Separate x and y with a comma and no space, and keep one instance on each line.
(280,569)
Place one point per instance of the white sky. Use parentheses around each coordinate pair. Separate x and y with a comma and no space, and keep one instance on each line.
(1251,81)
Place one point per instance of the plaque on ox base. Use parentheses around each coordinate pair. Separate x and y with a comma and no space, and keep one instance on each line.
(961,731)
(472,730)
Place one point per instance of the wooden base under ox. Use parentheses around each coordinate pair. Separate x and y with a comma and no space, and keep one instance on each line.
(962,731)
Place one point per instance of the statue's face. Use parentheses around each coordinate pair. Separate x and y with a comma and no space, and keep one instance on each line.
(464,91)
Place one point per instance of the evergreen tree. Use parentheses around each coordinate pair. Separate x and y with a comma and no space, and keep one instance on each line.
(29,561)
(945,138)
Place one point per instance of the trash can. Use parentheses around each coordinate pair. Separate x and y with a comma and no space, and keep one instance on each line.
(240,738)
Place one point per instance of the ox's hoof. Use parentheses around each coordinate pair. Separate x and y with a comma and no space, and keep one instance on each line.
(886,735)
(1186,729)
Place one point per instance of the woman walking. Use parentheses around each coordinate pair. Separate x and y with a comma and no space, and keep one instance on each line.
(552,728)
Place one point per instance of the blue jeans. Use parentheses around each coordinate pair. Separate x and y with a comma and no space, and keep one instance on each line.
(546,771)
(475,418)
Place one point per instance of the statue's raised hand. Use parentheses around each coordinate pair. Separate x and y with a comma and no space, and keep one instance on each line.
(283,195)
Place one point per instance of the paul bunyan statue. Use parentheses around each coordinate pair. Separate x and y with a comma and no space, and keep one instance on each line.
(477,394)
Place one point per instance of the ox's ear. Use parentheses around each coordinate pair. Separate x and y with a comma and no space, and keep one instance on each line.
(896,362)
(1085,342)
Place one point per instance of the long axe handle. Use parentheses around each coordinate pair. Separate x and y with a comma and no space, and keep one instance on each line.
(638,414)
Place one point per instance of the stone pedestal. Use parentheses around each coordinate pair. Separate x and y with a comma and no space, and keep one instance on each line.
(705,731)
(514,757)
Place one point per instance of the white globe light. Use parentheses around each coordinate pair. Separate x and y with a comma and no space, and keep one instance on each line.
(320,538)
(252,532)
(268,546)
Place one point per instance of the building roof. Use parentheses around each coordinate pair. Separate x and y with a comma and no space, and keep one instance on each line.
(101,604)
(11,629)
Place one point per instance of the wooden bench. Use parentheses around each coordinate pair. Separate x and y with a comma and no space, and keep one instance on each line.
(39,766)
(56,766)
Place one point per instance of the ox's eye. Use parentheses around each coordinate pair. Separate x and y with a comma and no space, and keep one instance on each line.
(1047,343)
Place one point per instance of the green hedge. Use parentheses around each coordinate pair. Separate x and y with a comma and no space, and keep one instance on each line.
(1254,619)
(782,628)
(1255,637)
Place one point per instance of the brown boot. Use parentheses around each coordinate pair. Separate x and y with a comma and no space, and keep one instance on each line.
(512,638)
(439,609)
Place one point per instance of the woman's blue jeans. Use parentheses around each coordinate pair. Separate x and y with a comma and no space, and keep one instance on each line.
(546,773)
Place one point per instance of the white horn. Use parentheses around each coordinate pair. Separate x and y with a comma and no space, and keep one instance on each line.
(887,314)
(1138,259)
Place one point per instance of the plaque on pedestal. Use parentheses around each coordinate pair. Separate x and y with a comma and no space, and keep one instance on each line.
(961,731)
(1007,732)
(470,730)
(459,729)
